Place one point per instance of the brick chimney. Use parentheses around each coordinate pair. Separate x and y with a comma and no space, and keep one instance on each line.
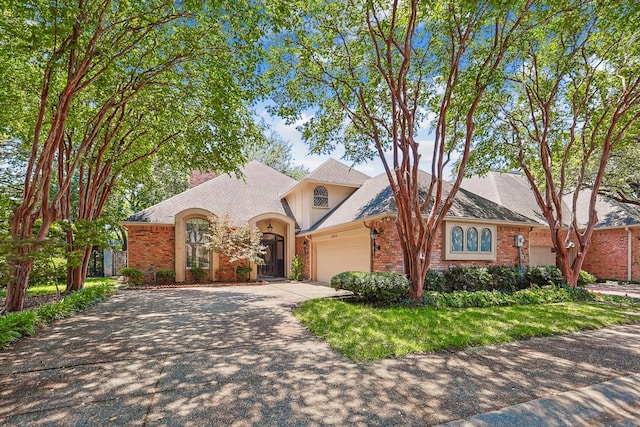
(198,177)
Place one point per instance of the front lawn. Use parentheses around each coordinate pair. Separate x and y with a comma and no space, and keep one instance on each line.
(363,333)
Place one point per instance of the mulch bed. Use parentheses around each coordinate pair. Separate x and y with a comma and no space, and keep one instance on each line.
(34,301)
(189,285)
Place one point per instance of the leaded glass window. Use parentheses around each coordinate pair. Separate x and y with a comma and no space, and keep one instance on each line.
(320,197)
(456,239)
(485,240)
(472,239)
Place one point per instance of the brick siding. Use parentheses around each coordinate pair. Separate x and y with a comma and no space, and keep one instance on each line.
(151,248)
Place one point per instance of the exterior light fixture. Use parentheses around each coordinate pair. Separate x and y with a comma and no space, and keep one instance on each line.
(305,247)
(270,227)
(374,237)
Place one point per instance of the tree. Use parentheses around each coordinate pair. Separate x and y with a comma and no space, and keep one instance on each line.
(622,177)
(97,79)
(572,96)
(372,72)
(275,152)
(238,242)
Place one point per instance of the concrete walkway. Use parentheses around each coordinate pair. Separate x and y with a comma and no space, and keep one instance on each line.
(237,356)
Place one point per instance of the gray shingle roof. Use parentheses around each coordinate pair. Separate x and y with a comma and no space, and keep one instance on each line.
(374,197)
(510,190)
(334,172)
(611,213)
(259,192)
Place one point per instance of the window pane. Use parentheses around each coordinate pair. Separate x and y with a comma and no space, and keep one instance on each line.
(485,242)
(197,255)
(456,239)
(472,239)
(320,197)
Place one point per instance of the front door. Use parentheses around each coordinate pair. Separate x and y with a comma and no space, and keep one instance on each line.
(273,256)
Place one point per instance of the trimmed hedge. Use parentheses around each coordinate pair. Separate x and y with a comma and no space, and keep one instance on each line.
(534,295)
(543,275)
(165,276)
(133,275)
(376,286)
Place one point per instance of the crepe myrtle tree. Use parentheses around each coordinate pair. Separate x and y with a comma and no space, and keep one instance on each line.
(572,99)
(372,73)
(238,242)
(95,87)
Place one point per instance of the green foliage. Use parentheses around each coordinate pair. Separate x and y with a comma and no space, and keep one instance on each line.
(374,286)
(48,270)
(467,278)
(165,276)
(435,281)
(585,278)
(504,278)
(534,295)
(243,272)
(13,326)
(275,152)
(198,274)
(297,268)
(543,275)
(133,275)
(238,242)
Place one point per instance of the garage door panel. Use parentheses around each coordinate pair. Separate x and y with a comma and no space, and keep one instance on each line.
(338,255)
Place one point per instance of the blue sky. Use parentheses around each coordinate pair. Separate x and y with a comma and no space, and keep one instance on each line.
(301,154)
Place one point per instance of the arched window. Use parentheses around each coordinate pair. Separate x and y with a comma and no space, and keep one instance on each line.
(472,239)
(197,254)
(320,197)
(485,240)
(456,239)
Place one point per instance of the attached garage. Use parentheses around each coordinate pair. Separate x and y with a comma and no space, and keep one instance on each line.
(337,253)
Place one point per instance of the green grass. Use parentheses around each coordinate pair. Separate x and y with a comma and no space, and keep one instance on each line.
(14,326)
(50,289)
(365,333)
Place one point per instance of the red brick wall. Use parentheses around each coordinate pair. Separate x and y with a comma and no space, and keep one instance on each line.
(151,248)
(389,258)
(300,251)
(607,255)
(540,237)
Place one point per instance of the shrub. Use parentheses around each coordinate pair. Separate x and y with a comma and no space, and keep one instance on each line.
(165,276)
(504,278)
(376,286)
(243,271)
(47,270)
(434,281)
(133,275)
(460,278)
(297,266)
(543,275)
(585,278)
(198,274)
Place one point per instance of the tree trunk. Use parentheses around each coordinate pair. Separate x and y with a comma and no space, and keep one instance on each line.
(17,288)
(77,275)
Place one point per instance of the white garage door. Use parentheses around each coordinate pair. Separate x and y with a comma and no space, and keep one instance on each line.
(338,255)
(541,255)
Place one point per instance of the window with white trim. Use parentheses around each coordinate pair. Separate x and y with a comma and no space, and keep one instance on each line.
(470,241)
(320,197)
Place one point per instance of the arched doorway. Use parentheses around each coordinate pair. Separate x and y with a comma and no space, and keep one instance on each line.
(273,256)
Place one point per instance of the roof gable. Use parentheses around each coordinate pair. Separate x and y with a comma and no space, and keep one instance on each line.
(374,197)
(334,172)
(258,190)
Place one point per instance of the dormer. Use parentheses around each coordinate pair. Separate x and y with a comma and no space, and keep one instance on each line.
(323,190)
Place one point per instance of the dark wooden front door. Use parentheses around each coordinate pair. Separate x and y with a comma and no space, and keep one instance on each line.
(273,256)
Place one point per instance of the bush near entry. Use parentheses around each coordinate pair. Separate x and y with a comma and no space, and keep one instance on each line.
(375,286)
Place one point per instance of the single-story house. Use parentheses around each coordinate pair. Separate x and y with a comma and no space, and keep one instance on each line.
(615,244)
(327,218)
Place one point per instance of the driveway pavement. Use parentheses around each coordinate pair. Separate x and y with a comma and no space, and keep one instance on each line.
(237,356)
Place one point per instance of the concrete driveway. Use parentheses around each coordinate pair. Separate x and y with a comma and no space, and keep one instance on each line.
(237,356)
